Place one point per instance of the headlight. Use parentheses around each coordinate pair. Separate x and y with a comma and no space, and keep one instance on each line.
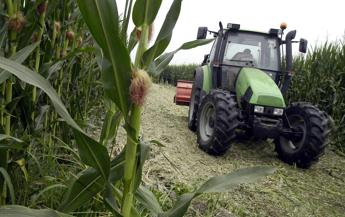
(258,109)
(278,111)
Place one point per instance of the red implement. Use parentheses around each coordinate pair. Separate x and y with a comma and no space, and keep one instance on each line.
(183,92)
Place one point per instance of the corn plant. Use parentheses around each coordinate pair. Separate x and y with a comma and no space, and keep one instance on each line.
(320,79)
(118,180)
(40,35)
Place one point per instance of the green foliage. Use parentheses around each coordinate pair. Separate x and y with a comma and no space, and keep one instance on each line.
(102,20)
(158,66)
(149,15)
(38,152)
(37,80)
(320,79)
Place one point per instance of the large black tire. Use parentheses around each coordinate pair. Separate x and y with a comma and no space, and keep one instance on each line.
(305,151)
(217,122)
(195,100)
(193,108)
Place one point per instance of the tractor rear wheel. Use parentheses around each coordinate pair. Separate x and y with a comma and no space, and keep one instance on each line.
(217,122)
(193,108)
(195,100)
(306,150)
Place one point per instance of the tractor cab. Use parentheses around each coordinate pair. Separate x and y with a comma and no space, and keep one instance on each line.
(234,49)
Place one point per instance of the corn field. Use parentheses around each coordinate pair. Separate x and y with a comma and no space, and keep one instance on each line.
(177,72)
(58,60)
(320,79)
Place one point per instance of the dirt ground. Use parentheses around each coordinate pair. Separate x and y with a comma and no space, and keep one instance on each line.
(319,191)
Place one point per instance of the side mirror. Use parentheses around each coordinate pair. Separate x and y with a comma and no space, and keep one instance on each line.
(204,62)
(202,32)
(303,44)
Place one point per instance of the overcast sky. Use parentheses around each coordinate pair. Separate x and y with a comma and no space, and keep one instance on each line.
(316,21)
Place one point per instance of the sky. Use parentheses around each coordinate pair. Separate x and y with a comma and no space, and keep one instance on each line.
(316,21)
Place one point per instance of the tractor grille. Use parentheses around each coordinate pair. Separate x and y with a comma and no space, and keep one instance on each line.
(269,121)
(269,110)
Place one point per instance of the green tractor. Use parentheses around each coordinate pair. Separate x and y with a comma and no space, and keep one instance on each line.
(238,93)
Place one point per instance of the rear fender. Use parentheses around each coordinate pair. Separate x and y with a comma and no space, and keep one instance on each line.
(207,78)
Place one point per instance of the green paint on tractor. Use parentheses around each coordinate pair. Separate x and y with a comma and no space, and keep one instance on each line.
(207,82)
(265,90)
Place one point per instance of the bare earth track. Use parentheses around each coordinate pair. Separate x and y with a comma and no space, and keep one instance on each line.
(319,191)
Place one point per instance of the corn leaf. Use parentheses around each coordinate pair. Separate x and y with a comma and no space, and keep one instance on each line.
(101,17)
(158,66)
(145,11)
(84,188)
(194,43)
(42,192)
(7,137)
(164,36)
(3,34)
(148,200)
(19,144)
(22,211)
(9,184)
(218,184)
(33,78)
(110,202)
(19,57)
(133,40)
(110,125)
(118,194)
(93,153)
(89,183)
(143,155)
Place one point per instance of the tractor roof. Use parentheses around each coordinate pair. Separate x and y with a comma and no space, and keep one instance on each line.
(236,27)
(269,33)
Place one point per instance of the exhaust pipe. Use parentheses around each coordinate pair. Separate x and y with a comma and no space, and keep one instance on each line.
(287,77)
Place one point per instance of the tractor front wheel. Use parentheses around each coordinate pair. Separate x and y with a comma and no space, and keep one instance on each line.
(307,149)
(217,122)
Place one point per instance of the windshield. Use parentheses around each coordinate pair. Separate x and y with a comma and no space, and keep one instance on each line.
(262,51)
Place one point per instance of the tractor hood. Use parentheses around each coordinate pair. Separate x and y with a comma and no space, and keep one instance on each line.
(258,88)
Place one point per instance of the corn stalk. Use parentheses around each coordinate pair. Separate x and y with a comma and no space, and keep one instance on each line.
(4,154)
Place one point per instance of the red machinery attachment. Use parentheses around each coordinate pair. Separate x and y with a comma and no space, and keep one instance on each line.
(183,92)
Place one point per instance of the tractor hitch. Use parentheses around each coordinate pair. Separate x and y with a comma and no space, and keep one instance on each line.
(271,128)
